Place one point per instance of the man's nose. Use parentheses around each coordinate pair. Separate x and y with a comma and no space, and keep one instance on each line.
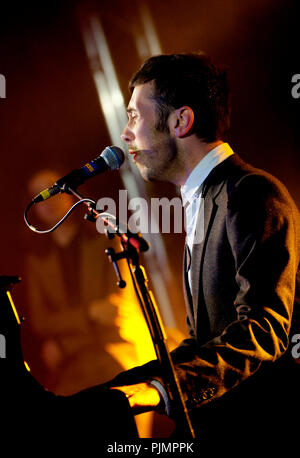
(127,135)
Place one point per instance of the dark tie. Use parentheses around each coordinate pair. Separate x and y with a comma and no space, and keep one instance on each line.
(188,257)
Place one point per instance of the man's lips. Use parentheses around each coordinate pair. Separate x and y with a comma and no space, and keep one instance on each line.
(133,153)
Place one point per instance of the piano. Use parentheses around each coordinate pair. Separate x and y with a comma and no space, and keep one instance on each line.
(31,415)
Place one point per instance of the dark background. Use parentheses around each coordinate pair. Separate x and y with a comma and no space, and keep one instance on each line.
(51,115)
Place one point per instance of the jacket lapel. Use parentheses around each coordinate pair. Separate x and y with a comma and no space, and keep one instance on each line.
(212,186)
(205,218)
(186,288)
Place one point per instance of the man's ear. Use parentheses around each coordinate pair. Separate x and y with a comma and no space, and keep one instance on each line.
(182,121)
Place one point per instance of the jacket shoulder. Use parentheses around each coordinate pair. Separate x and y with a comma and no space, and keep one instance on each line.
(235,175)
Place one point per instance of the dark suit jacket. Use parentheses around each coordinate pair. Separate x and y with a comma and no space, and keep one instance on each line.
(243,280)
(240,310)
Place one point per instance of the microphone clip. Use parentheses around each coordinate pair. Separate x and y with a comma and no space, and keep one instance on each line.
(91,215)
(114,258)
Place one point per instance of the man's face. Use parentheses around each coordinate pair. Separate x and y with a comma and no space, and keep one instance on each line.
(154,152)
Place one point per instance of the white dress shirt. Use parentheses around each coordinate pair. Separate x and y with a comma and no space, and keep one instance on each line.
(191,192)
(191,198)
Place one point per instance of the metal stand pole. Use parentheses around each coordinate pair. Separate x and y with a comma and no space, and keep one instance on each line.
(132,245)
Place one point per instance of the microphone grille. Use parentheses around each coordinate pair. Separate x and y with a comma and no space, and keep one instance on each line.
(113,156)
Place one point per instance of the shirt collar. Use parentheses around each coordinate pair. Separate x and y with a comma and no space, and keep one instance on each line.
(202,170)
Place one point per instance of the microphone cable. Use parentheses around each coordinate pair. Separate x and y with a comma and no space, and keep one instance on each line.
(47,231)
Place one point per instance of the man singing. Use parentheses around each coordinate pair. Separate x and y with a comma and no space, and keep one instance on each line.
(240,263)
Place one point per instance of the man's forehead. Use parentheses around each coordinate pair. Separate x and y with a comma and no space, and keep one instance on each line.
(142,95)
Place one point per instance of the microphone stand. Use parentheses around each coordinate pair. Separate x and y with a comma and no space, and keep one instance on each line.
(132,245)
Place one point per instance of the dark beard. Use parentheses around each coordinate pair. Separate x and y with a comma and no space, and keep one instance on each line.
(168,166)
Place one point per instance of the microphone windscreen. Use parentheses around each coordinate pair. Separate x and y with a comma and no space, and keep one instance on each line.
(113,156)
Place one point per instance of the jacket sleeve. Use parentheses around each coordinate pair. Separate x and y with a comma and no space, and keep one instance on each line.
(261,226)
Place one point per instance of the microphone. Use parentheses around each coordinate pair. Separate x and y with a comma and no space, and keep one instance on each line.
(111,158)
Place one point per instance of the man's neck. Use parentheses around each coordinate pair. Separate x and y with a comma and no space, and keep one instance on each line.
(193,153)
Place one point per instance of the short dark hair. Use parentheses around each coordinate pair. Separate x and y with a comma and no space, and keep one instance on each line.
(193,80)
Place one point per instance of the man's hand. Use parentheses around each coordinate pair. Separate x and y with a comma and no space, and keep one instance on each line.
(142,397)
